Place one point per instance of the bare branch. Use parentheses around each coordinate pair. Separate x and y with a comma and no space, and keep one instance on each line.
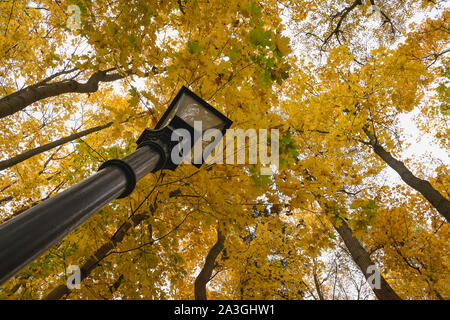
(343,15)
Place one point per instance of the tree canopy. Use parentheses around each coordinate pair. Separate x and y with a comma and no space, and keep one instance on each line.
(344,82)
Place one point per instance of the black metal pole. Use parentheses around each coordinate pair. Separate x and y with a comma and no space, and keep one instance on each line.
(27,236)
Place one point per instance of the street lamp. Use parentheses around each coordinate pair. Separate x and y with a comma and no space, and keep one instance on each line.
(25,237)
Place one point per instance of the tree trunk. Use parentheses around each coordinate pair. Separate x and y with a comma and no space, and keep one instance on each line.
(424,187)
(205,274)
(363,261)
(31,153)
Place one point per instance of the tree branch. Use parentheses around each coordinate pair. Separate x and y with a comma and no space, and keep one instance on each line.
(343,14)
(424,187)
(205,274)
(21,99)
(386,17)
(31,153)
(318,289)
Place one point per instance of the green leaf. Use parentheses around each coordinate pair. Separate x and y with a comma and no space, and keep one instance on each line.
(260,180)
(194,47)
(134,100)
(371,205)
(132,40)
(254,10)
(234,54)
(265,79)
(259,37)
(288,150)
(371,214)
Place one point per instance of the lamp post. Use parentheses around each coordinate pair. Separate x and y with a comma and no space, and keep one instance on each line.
(25,237)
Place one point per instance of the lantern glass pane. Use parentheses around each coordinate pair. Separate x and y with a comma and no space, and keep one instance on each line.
(190,110)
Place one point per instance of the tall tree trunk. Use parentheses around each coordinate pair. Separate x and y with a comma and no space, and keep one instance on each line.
(31,153)
(205,274)
(21,99)
(363,261)
(424,187)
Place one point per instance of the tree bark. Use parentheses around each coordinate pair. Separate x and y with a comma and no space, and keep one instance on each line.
(424,187)
(318,289)
(31,153)
(21,99)
(205,274)
(363,261)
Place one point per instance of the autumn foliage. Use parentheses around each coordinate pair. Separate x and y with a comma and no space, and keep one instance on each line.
(351,86)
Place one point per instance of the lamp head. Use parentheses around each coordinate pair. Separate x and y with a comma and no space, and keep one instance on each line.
(188,114)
